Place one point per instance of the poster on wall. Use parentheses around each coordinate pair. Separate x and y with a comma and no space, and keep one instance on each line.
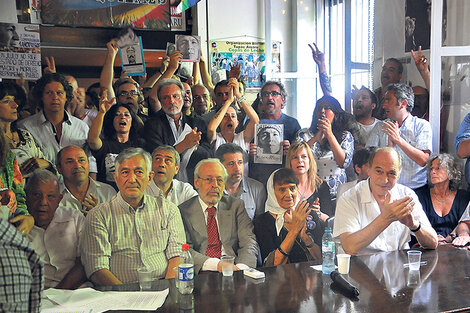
(20,51)
(251,56)
(141,14)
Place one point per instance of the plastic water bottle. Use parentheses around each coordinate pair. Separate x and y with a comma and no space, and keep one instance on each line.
(186,271)
(328,252)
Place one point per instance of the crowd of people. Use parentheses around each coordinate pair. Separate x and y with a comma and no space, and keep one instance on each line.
(97,184)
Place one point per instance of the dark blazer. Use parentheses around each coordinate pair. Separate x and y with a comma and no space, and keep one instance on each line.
(157,132)
(235,231)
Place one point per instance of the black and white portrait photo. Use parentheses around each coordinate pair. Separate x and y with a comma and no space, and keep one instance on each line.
(189,46)
(268,139)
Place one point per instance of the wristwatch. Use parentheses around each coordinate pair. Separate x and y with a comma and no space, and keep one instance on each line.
(453,236)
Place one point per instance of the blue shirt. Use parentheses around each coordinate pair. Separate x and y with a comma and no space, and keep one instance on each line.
(462,134)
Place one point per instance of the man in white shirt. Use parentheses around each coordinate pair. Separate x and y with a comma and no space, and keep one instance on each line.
(411,136)
(81,192)
(378,214)
(56,232)
(166,164)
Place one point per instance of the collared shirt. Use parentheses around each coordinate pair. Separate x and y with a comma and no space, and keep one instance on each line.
(357,208)
(252,192)
(462,134)
(102,191)
(176,132)
(74,132)
(58,246)
(418,133)
(20,265)
(179,191)
(118,238)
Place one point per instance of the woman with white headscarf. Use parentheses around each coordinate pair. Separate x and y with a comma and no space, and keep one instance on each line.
(284,234)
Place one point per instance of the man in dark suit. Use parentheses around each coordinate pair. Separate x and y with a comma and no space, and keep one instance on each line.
(216,224)
(170,127)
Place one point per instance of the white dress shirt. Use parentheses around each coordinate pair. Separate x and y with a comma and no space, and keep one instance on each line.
(102,191)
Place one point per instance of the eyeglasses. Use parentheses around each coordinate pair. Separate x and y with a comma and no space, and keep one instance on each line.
(132,93)
(211,180)
(273,94)
(198,97)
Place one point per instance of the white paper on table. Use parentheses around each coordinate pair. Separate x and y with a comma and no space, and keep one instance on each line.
(90,300)
(319,267)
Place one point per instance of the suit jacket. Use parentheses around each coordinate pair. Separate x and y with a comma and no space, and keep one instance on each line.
(235,231)
(157,132)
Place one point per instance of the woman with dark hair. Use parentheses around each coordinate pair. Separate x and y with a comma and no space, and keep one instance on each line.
(333,143)
(12,195)
(442,200)
(120,128)
(283,231)
(29,156)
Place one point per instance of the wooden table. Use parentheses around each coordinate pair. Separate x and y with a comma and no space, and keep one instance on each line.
(443,285)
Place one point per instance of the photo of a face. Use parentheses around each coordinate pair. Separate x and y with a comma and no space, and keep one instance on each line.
(8,36)
(269,140)
(189,46)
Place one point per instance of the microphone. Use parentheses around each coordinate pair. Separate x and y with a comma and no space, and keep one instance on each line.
(343,284)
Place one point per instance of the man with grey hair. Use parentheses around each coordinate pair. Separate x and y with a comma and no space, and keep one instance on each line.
(378,214)
(165,165)
(118,237)
(411,136)
(217,224)
(56,233)
(170,127)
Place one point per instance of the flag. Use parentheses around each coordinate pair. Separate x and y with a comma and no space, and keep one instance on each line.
(185,4)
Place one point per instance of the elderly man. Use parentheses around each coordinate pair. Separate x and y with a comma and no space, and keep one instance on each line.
(170,127)
(81,192)
(118,237)
(273,98)
(202,102)
(56,232)
(410,135)
(378,214)
(252,192)
(165,165)
(216,224)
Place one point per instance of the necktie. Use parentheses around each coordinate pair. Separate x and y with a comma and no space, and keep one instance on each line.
(214,246)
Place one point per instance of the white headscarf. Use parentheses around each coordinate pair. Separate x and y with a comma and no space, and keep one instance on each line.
(273,206)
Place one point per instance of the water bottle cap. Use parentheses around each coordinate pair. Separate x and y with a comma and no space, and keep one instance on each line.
(185,247)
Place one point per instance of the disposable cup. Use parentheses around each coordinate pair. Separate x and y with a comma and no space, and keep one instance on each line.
(145,278)
(414,259)
(227,265)
(343,263)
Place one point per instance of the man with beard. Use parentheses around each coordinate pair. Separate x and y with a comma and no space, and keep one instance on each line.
(170,127)
(380,215)
(81,192)
(252,192)
(166,164)
(216,224)
(391,74)
(273,97)
(364,103)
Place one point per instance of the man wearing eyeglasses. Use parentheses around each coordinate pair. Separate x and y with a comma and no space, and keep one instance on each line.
(133,229)
(273,98)
(169,126)
(217,224)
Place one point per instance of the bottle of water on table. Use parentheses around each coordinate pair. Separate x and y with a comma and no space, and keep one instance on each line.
(186,271)
(328,252)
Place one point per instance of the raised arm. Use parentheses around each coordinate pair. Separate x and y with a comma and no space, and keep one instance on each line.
(94,140)
(423,67)
(319,58)
(107,73)
(206,78)
(218,117)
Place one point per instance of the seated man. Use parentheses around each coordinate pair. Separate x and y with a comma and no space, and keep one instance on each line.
(251,191)
(378,214)
(165,165)
(118,237)
(81,192)
(215,224)
(56,232)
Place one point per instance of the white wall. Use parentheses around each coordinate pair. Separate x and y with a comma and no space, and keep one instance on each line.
(8,11)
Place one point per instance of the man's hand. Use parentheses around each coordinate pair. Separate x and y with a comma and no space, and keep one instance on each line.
(192,138)
(50,62)
(219,267)
(235,71)
(32,164)
(175,60)
(89,203)
(112,47)
(393,132)
(8,198)
(285,146)
(420,61)
(398,210)
(26,223)
(461,241)
(253,149)
(104,103)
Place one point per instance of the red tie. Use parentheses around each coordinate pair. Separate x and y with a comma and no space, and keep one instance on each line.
(214,246)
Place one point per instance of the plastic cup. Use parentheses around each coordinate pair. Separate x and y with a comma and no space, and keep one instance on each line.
(414,260)
(414,279)
(145,278)
(343,263)
(227,265)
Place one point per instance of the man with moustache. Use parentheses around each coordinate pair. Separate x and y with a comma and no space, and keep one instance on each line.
(166,164)
(202,102)
(364,103)
(81,192)
(380,215)
(170,127)
(410,135)
(252,192)
(217,224)
(392,71)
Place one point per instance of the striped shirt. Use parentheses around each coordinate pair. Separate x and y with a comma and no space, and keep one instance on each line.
(118,238)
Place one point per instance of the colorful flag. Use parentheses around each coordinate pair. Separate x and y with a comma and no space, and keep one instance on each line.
(185,4)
